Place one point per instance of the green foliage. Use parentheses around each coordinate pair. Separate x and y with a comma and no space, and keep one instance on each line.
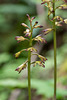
(15,9)
(4,57)
(41,86)
(8,70)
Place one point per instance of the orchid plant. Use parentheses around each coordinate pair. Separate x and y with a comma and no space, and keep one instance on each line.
(28,37)
(56,21)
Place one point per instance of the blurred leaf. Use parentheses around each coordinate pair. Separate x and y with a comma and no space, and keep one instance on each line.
(4,95)
(4,57)
(36,1)
(11,8)
(8,70)
(41,86)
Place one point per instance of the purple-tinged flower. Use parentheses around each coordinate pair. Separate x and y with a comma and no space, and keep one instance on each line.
(28,17)
(39,38)
(39,63)
(32,19)
(47,30)
(27,33)
(35,24)
(20,38)
(43,59)
(23,24)
(31,49)
(38,26)
(21,67)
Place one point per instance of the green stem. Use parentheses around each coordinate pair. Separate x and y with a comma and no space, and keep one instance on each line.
(55,67)
(29,64)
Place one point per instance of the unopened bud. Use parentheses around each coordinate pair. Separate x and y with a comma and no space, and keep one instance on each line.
(28,17)
(38,26)
(23,24)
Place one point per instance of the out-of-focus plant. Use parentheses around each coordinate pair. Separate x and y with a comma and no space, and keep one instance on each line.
(28,36)
(56,21)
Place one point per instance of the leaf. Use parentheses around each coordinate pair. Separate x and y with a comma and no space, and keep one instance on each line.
(19,9)
(4,57)
(8,69)
(41,86)
(36,1)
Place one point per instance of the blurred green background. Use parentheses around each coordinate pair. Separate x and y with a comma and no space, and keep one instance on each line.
(13,86)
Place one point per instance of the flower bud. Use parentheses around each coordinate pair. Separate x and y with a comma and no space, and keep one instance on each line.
(28,17)
(35,24)
(38,26)
(23,24)
(17,54)
(32,19)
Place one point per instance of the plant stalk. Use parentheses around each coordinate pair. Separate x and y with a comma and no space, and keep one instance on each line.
(29,64)
(55,62)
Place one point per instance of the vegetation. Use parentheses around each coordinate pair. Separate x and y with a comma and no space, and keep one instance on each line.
(13,86)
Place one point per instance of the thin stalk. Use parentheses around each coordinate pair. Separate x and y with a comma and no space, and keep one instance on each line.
(29,64)
(55,67)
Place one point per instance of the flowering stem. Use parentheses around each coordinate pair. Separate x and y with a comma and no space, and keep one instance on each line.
(29,64)
(55,67)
